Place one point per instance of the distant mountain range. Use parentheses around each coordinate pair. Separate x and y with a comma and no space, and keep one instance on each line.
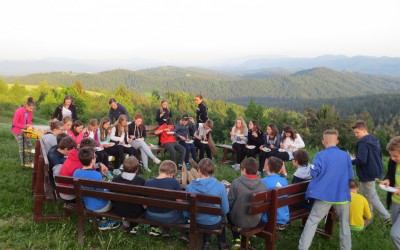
(240,66)
(310,84)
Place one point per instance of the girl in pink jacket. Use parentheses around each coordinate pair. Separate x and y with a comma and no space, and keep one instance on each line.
(23,120)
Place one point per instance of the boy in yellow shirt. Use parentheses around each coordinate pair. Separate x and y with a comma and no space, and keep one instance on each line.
(360,213)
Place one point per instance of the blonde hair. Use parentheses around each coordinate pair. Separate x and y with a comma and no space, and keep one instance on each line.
(243,128)
(162,102)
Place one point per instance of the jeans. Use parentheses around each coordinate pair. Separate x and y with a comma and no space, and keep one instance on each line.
(172,217)
(172,148)
(190,149)
(395,231)
(319,210)
(369,191)
(145,151)
(240,151)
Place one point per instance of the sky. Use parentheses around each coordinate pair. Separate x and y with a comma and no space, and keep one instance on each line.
(197,31)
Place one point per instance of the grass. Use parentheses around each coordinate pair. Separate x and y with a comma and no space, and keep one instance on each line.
(17,230)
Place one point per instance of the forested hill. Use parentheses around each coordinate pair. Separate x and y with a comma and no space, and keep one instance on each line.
(316,83)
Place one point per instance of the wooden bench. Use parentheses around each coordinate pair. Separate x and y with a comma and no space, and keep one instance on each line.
(193,203)
(227,150)
(269,201)
(42,188)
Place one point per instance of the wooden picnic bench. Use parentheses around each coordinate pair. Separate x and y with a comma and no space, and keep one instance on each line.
(269,202)
(228,151)
(42,188)
(140,195)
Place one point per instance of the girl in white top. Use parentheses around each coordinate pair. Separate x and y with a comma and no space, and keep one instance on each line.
(119,135)
(291,141)
(239,137)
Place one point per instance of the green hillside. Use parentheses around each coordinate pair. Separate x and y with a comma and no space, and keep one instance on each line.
(315,83)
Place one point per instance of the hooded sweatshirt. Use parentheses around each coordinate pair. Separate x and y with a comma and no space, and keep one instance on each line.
(212,187)
(368,159)
(239,201)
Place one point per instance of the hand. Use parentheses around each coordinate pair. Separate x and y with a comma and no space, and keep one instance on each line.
(261,147)
(162,114)
(385,182)
(255,134)
(133,137)
(29,127)
(398,192)
(182,137)
(241,137)
(166,129)
(103,168)
(191,119)
(197,137)
(231,133)
(105,145)
(129,141)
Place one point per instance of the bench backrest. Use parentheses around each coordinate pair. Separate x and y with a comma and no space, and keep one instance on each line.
(150,131)
(141,195)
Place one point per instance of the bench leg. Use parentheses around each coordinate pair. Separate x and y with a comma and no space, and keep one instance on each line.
(244,242)
(81,225)
(192,241)
(224,156)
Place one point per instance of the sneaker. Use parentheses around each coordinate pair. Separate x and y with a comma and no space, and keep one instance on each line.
(236,244)
(155,231)
(108,224)
(156,160)
(147,169)
(134,230)
(387,222)
(29,164)
(180,167)
(281,227)
(206,245)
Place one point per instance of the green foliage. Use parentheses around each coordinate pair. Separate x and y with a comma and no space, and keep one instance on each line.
(254,111)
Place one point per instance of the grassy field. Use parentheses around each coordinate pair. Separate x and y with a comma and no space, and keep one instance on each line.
(17,230)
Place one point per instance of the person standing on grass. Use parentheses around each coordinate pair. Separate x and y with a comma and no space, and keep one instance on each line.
(369,167)
(23,120)
(66,109)
(116,110)
(329,186)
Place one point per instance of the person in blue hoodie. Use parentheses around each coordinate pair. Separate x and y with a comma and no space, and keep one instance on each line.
(329,186)
(206,184)
(368,161)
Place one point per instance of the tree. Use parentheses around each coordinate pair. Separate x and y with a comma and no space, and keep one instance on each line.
(254,111)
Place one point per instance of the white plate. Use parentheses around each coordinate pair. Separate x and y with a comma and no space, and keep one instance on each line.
(126,145)
(239,135)
(190,141)
(139,139)
(170,133)
(250,146)
(282,150)
(111,144)
(204,142)
(265,149)
(388,188)
(99,149)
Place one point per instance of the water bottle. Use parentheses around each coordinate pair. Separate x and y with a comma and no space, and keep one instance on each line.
(109,175)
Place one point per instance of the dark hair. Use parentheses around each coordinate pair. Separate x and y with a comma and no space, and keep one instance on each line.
(76,124)
(60,137)
(185,117)
(209,123)
(169,121)
(256,125)
(274,129)
(275,164)
(30,102)
(55,124)
(67,143)
(289,129)
(131,164)
(94,122)
(360,124)
(301,156)
(199,96)
(68,97)
(111,101)
(167,167)
(86,155)
(206,166)
(353,184)
(88,142)
(250,165)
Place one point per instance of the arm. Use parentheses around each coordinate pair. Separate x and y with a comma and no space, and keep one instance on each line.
(362,154)
(278,141)
(113,137)
(74,112)
(298,143)
(203,113)
(111,116)
(16,120)
(124,111)
(316,168)
(350,168)
(159,130)
(56,113)
(232,194)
